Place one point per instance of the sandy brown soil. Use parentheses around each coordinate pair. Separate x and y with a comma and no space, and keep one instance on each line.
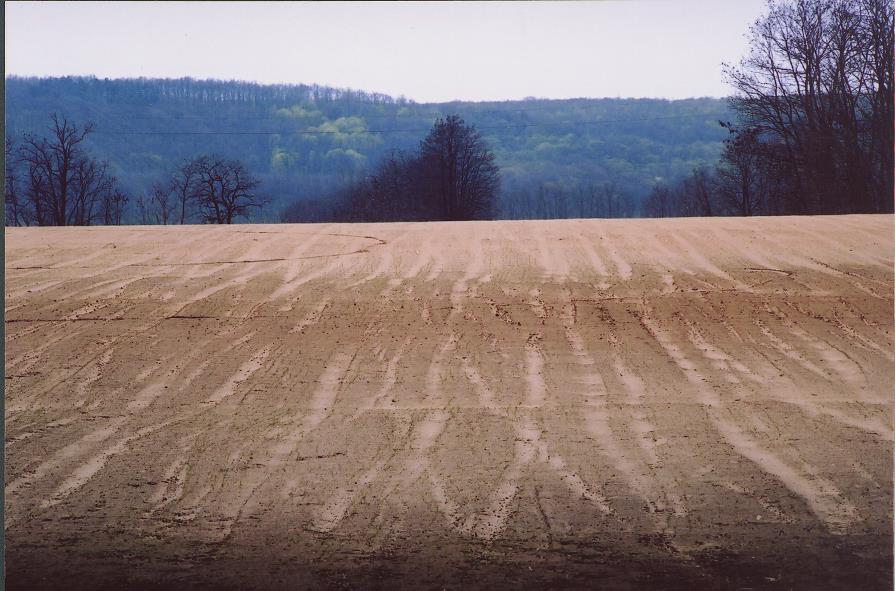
(575,404)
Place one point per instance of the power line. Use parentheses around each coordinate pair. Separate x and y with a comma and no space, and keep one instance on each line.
(384,131)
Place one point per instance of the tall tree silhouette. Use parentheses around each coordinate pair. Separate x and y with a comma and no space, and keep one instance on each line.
(460,176)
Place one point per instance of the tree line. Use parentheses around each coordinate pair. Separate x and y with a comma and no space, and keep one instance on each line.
(54,180)
(452,176)
(210,189)
(303,142)
(815,118)
(547,201)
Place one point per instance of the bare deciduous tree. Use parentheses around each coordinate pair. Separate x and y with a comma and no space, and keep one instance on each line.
(182,184)
(696,193)
(660,203)
(164,203)
(741,184)
(818,82)
(224,190)
(143,204)
(15,212)
(64,185)
(611,198)
(113,204)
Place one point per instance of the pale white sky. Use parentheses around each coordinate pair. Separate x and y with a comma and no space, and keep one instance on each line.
(424,51)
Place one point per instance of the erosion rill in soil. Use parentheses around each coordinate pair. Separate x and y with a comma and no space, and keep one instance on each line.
(610,404)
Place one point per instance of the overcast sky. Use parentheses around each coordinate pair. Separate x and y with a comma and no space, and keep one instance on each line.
(424,51)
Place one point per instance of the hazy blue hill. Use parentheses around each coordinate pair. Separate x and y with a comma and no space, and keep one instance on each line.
(307,140)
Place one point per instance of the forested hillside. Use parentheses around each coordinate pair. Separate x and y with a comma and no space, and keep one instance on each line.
(304,142)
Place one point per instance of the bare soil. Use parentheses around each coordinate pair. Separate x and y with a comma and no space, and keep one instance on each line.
(675,404)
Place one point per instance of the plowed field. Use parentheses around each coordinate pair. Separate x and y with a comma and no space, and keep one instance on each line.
(579,404)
